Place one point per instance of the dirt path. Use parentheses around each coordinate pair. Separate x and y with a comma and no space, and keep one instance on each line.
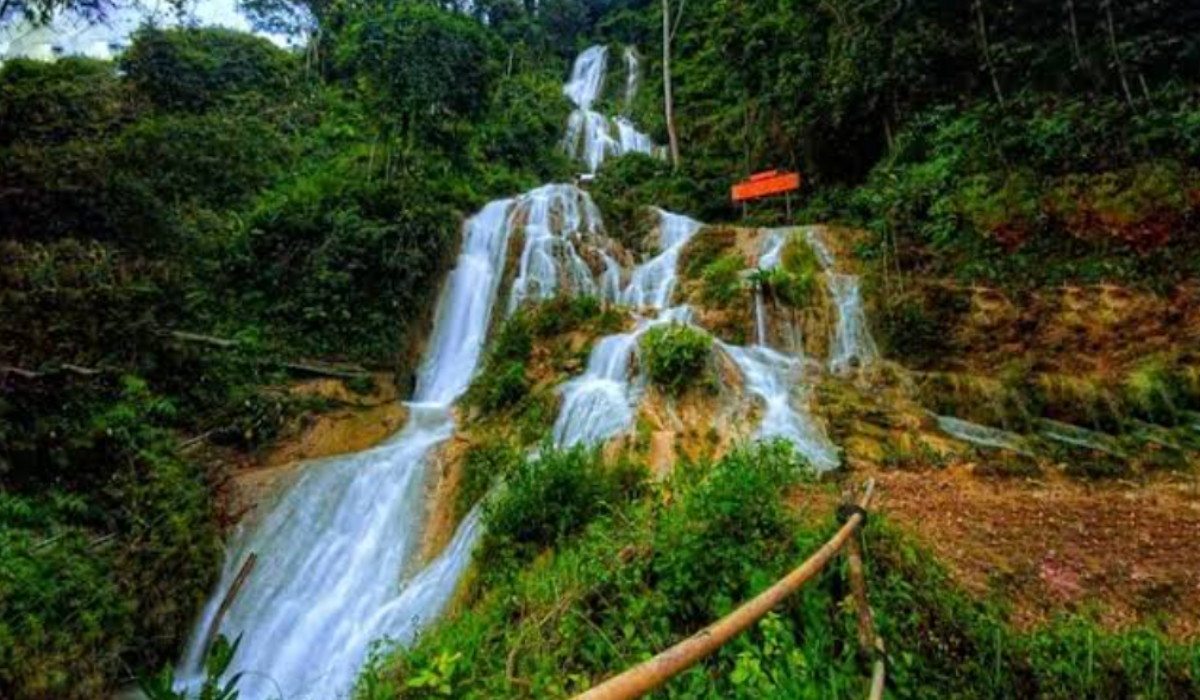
(1124,552)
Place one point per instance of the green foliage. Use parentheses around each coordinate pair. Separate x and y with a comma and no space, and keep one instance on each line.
(627,185)
(433,69)
(209,183)
(54,102)
(703,250)
(214,160)
(676,356)
(649,572)
(341,263)
(112,534)
(524,124)
(220,656)
(504,384)
(194,70)
(794,281)
(485,463)
(722,282)
(545,499)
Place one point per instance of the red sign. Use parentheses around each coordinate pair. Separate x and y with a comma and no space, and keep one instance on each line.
(765,184)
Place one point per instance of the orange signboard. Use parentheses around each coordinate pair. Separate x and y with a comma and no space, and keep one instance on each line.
(765,184)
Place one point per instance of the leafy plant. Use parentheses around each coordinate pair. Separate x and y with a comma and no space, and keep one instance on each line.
(676,356)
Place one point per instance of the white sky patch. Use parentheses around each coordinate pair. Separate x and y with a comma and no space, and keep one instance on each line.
(71,35)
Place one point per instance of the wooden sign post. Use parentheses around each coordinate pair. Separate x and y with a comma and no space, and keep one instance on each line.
(766,184)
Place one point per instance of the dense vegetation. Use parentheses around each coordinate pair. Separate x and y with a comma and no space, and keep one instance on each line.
(176,227)
(589,570)
(975,141)
(180,226)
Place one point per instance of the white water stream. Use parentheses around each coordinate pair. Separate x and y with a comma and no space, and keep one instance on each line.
(852,345)
(591,136)
(335,569)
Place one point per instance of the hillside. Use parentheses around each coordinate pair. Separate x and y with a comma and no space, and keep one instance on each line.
(431,359)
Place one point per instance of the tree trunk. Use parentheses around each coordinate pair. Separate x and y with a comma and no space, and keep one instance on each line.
(1112,43)
(668,99)
(981,27)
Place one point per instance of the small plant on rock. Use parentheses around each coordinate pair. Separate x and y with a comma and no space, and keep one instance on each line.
(676,356)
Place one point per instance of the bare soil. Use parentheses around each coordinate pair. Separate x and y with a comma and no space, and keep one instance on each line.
(1123,552)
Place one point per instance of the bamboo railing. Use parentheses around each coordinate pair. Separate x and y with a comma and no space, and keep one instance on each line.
(653,673)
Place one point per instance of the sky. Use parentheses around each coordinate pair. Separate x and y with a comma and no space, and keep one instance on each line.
(72,35)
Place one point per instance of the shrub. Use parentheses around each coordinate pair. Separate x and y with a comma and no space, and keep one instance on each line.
(546,499)
(215,159)
(109,539)
(703,249)
(502,383)
(722,280)
(193,70)
(54,102)
(343,267)
(794,281)
(676,356)
(484,464)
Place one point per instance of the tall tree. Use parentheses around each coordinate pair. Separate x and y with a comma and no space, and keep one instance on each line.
(668,98)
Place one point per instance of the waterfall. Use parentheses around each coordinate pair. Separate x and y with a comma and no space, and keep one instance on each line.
(632,77)
(768,259)
(653,282)
(852,344)
(771,376)
(553,216)
(335,554)
(590,134)
(336,567)
(599,403)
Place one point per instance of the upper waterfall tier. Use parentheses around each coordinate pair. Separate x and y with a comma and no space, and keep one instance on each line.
(592,136)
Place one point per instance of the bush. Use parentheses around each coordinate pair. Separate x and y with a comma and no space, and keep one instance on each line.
(625,186)
(546,499)
(722,281)
(193,70)
(676,356)
(794,281)
(216,160)
(339,266)
(113,539)
(485,463)
(54,102)
(703,249)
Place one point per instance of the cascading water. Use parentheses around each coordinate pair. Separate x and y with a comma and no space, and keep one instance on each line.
(852,344)
(633,74)
(768,259)
(599,403)
(552,216)
(333,552)
(590,134)
(772,376)
(336,570)
(652,283)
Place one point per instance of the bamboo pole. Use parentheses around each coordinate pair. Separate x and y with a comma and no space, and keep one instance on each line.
(651,674)
(869,642)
